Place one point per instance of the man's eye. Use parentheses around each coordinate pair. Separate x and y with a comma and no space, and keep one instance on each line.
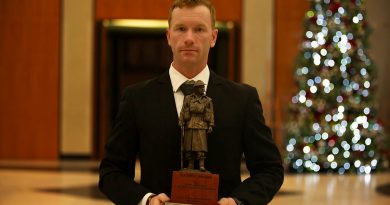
(199,29)
(180,29)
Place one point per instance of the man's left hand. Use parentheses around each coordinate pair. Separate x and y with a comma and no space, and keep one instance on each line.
(227,201)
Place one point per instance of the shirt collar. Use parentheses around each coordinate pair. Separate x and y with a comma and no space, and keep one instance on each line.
(177,78)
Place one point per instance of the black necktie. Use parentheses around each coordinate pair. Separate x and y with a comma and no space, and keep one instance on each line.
(187,87)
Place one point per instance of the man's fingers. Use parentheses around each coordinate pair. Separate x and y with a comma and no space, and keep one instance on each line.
(163,197)
(159,199)
(226,201)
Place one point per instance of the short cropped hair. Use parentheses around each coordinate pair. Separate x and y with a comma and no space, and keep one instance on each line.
(192,4)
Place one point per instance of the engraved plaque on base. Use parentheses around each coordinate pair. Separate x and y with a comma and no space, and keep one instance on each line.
(194,187)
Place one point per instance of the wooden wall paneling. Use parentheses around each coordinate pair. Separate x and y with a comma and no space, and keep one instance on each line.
(29,79)
(289,15)
(228,10)
(158,9)
(153,9)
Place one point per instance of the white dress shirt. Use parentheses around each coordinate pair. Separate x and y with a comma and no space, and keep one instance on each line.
(177,79)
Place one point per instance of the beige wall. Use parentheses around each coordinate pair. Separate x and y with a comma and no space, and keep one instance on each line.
(257,50)
(77,78)
(378,17)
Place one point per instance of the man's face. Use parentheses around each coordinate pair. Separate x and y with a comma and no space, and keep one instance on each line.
(191,35)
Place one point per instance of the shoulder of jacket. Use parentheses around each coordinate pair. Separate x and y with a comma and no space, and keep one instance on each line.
(239,87)
(141,86)
(232,84)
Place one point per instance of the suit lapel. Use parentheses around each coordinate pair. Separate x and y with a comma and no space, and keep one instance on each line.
(214,82)
(167,99)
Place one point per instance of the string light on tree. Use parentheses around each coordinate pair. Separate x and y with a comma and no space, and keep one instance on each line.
(333,125)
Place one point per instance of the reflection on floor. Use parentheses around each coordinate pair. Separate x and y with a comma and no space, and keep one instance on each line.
(75,183)
(89,191)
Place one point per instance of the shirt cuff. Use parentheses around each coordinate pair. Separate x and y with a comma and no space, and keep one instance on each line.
(145,199)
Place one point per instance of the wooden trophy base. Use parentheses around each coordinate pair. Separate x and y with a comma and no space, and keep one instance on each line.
(194,188)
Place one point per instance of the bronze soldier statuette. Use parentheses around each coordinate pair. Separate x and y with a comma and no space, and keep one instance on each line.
(196,120)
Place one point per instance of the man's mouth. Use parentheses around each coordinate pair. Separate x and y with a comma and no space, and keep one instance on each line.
(188,50)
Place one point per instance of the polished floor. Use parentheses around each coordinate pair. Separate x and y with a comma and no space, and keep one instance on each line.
(48,183)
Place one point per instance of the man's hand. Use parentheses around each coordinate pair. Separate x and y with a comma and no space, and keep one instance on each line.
(227,201)
(159,199)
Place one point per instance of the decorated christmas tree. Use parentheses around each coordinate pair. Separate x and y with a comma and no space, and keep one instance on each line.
(332,124)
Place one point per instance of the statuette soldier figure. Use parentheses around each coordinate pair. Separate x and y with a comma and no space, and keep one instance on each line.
(196,120)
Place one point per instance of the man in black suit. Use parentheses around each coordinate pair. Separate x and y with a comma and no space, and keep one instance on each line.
(147,125)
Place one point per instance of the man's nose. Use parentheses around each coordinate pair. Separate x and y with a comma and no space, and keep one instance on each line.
(189,37)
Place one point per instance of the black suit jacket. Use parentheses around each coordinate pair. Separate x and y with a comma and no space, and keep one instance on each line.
(147,126)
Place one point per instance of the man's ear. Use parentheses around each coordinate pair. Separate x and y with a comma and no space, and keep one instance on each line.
(215,35)
(168,36)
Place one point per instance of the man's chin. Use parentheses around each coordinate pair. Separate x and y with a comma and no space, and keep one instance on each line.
(189,59)
(189,54)
(188,63)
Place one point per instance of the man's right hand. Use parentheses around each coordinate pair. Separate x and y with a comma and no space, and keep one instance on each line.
(159,199)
